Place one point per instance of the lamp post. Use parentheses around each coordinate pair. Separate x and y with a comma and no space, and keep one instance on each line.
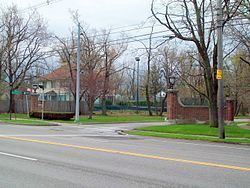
(161,88)
(134,81)
(137,88)
(41,86)
(34,87)
(171,80)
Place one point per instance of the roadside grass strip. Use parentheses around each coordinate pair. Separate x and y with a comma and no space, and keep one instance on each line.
(116,119)
(20,121)
(199,163)
(234,133)
(96,119)
(190,137)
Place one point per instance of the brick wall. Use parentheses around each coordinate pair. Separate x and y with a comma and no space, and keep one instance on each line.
(176,110)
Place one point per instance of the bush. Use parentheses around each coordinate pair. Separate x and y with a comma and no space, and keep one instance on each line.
(123,103)
(140,103)
(108,102)
(53,115)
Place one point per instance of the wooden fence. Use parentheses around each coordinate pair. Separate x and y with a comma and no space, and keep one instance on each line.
(54,106)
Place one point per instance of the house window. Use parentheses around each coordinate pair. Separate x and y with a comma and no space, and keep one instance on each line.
(55,84)
(45,85)
(52,84)
(62,97)
(48,84)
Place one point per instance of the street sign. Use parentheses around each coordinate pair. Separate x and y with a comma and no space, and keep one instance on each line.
(16,92)
(26,92)
(219,74)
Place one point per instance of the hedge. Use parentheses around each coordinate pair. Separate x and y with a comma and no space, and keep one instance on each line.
(53,115)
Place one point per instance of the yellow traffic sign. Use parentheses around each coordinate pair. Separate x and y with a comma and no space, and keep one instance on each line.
(219,74)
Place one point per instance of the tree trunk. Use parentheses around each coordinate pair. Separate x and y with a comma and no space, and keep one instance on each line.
(163,104)
(213,113)
(104,106)
(155,104)
(0,69)
(91,108)
(148,100)
(212,90)
(11,103)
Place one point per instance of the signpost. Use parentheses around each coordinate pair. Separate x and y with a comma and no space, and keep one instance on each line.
(15,92)
(26,93)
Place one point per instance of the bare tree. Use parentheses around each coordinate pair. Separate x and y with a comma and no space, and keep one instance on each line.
(2,45)
(91,68)
(237,82)
(193,22)
(154,82)
(25,38)
(111,53)
(238,31)
(169,62)
(148,49)
(66,49)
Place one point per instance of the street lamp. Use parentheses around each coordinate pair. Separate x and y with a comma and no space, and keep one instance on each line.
(42,87)
(171,80)
(162,72)
(137,89)
(35,87)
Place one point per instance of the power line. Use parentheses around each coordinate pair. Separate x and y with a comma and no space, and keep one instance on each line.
(163,31)
(137,38)
(143,37)
(39,5)
(160,25)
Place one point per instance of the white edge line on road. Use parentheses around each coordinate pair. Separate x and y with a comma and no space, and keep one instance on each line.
(18,156)
(203,144)
(62,135)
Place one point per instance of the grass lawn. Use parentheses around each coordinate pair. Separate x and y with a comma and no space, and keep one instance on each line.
(7,116)
(26,122)
(115,118)
(234,134)
(242,117)
(22,119)
(111,118)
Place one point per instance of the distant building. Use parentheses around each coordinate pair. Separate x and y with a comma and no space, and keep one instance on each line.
(57,85)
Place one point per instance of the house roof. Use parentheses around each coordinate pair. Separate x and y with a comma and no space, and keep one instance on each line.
(58,74)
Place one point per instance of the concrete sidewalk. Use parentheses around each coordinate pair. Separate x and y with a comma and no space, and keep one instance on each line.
(242,120)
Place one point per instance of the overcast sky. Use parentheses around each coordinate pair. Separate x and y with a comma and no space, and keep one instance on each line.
(96,13)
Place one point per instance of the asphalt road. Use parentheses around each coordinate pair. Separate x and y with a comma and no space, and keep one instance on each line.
(96,156)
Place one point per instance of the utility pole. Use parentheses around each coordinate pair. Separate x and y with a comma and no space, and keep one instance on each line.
(78,76)
(220,96)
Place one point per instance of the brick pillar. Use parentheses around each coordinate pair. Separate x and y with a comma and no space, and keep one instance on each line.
(172,103)
(34,102)
(229,109)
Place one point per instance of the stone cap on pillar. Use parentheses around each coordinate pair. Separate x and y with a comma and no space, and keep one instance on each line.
(172,91)
(229,99)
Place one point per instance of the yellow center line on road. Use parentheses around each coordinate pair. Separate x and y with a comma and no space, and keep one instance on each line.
(131,154)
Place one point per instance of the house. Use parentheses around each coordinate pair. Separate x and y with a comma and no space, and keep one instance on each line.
(57,85)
